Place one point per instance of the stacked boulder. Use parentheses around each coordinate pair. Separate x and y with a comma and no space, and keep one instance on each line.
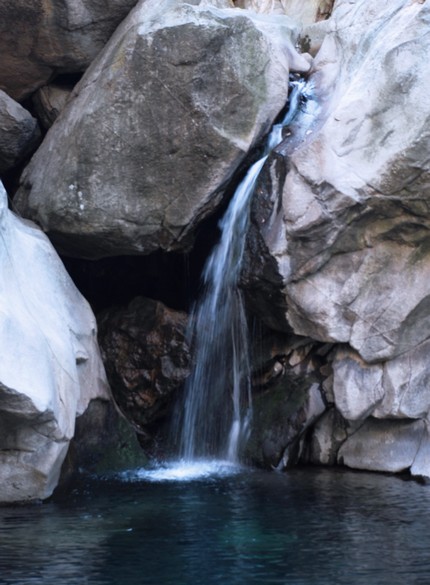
(157,127)
(171,101)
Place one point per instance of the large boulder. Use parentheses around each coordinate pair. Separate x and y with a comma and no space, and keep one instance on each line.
(397,388)
(387,445)
(157,127)
(340,232)
(104,442)
(19,133)
(43,38)
(50,368)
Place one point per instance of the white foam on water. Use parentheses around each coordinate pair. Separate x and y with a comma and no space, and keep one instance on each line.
(182,471)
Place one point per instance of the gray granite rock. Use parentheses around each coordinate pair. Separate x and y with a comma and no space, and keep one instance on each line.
(157,127)
(346,222)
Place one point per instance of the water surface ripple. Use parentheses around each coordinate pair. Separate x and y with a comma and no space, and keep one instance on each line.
(300,528)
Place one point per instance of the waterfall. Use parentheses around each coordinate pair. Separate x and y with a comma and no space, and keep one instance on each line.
(217,407)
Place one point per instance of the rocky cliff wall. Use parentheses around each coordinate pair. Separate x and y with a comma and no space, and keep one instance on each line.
(343,234)
(140,153)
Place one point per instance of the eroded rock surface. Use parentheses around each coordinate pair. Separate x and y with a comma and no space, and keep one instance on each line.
(50,368)
(103,442)
(287,398)
(304,12)
(147,358)
(337,258)
(157,126)
(341,226)
(352,228)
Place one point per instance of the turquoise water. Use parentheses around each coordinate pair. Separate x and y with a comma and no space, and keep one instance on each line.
(310,526)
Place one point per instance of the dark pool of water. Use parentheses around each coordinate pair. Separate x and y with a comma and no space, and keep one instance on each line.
(304,527)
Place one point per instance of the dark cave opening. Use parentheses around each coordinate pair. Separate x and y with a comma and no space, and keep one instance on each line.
(173,278)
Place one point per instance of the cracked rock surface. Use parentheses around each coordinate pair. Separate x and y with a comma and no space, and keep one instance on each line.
(340,236)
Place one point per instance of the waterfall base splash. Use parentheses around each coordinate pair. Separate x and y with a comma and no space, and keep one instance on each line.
(183,471)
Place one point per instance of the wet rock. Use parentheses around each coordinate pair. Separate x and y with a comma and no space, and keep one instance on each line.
(19,133)
(260,276)
(287,400)
(104,442)
(42,38)
(421,464)
(50,368)
(281,417)
(146,358)
(157,126)
(339,237)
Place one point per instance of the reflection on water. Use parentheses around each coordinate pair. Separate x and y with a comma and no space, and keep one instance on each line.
(304,527)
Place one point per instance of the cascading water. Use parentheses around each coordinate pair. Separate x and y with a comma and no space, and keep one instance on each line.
(217,406)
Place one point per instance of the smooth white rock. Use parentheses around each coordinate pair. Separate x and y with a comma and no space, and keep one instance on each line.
(397,388)
(50,367)
(351,237)
(383,445)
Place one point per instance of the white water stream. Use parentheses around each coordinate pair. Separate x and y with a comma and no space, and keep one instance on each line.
(217,408)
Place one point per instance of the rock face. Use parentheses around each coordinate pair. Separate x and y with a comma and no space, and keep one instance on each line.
(43,38)
(342,228)
(50,367)
(146,356)
(304,12)
(149,143)
(157,126)
(288,399)
(19,133)
(103,442)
